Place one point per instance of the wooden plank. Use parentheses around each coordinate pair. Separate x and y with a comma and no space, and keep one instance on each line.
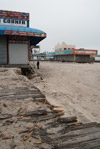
(79,140)
(67,119)
(68,128)
(5,116)
(15,97)
(36,113)
(77,133)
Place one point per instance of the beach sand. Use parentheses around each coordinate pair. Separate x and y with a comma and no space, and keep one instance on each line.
(74,87)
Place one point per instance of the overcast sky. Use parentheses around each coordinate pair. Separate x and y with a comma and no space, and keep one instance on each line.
(71,21)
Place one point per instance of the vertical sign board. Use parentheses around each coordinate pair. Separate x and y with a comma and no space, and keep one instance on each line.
(13,18)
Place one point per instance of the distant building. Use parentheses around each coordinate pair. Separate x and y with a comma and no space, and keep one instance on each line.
(63,46)
(68,53)
(45,56)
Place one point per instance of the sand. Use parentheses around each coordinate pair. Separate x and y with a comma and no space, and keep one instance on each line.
(74,87)
(17,98)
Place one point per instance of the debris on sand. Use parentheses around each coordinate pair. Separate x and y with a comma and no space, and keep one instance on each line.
(28,120)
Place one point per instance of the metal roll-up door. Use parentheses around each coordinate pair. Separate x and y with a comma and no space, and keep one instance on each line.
(18,53)
(3,50)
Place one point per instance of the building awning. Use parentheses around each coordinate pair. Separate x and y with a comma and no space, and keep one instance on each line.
(35,34)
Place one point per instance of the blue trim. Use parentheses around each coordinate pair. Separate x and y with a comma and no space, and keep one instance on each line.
(62,52)
(20,29)
(1,32)
(98,55)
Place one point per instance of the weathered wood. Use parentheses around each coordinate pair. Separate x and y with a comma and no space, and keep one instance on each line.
(67,119)
(5,116)
(68,128)
(18,91)
(8,122)
(62,122)
(24,96)
(91,144)
(71,142)
(41,118)
(36,113)
(76,133)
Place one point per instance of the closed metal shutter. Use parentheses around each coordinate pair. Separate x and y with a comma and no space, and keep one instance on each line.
(3,50)
(18,53)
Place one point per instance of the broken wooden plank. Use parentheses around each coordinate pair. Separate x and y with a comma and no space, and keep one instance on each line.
(68,128)
(74,141)
(67,119)
(36,113)
(5,116)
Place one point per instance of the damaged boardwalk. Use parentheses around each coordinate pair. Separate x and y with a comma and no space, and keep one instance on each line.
(28,121)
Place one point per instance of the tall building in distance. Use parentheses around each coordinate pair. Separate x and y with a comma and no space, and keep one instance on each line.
(63,46)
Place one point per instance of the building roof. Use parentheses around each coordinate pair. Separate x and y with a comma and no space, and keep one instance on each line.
(19,29)
(35,35)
